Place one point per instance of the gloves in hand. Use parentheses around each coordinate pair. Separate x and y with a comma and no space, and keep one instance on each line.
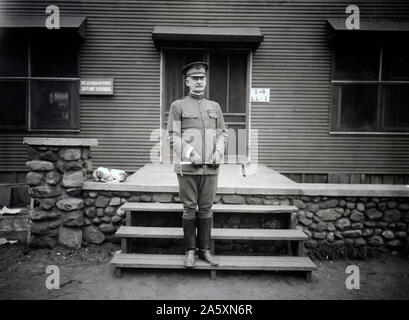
(216,159)
(195,159)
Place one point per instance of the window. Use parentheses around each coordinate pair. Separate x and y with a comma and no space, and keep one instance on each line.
(370,87)
(38,81)
(226,84)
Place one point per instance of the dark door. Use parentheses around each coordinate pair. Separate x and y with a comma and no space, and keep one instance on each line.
(227,84)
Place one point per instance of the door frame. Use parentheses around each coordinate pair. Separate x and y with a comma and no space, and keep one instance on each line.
(248,87)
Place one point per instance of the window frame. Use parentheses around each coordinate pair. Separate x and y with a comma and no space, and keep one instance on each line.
(335,111)
(27,127)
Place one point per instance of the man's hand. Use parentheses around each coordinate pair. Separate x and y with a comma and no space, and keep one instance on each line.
(216,159)
(195,159)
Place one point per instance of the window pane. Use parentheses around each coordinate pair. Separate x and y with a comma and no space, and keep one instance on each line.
(356,63)
(395,106)
(191,56)
(237,82)
(234,118)
(236,147)
(173,86)
(355,107)
(53,56)
(218,79)
(13,53)
(54,104)
(13,101)
(395,63)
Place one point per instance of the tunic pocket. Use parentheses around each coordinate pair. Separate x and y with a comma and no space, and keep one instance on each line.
(189,120)
(189,115)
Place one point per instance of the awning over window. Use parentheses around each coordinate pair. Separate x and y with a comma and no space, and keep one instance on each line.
(337,27)
(164,36)
(72,23)
(371,25)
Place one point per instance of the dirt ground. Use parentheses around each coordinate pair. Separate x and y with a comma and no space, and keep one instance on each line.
(86,274)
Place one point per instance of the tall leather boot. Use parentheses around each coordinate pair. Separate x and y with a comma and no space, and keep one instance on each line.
(203,235)
(189,231)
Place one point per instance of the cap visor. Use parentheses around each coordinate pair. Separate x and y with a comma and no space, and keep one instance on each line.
(197,75)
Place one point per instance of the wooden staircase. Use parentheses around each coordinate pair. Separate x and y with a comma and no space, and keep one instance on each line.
(293,261)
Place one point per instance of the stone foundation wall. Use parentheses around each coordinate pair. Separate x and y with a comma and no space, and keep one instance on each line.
(64,213)
(55,184)
(339,221)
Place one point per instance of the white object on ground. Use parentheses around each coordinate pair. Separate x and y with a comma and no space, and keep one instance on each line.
(5,241)
(6,210)
(109,175)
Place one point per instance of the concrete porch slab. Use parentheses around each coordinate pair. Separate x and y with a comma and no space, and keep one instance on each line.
(162,178)
(266,181)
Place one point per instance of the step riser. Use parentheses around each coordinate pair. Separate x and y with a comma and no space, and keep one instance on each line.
(132,236)
(214,211)
(216,234)
(225,262)
(266,268)
(135,207)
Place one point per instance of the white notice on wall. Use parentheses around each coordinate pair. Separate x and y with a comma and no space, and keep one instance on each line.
(97,86)
(260,94)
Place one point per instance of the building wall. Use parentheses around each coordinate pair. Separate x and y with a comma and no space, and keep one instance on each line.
(293,61)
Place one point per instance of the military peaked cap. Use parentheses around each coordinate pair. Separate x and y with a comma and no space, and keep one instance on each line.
(195,68)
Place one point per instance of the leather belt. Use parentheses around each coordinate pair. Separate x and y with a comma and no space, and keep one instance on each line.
(210,165)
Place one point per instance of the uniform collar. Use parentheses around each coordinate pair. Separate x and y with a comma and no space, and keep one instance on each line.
(196,96)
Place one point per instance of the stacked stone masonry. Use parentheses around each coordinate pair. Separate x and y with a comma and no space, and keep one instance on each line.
(55,178)
(339,221)
(63,213)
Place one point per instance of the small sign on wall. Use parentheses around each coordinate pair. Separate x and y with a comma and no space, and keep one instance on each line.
(97,86)
(260,94)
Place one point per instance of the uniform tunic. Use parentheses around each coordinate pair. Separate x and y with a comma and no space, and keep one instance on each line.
(196,123)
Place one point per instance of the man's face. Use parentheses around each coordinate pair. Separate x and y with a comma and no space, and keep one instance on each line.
(197,84)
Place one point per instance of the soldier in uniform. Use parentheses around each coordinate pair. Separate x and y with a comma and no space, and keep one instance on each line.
(197,136)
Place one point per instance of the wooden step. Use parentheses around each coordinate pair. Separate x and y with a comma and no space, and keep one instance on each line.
(228,208)
(217,233)
(168,261)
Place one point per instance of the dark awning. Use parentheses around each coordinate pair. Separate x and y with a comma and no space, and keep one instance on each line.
(74,23)
(371,25)
(176,36)
(371,28)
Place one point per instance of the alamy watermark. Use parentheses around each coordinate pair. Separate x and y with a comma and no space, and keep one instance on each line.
(53,280)
(352,282)
(352,21)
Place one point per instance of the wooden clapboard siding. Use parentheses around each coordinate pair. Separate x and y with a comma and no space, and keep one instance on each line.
(337,177)
(293,61)
(295,66)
